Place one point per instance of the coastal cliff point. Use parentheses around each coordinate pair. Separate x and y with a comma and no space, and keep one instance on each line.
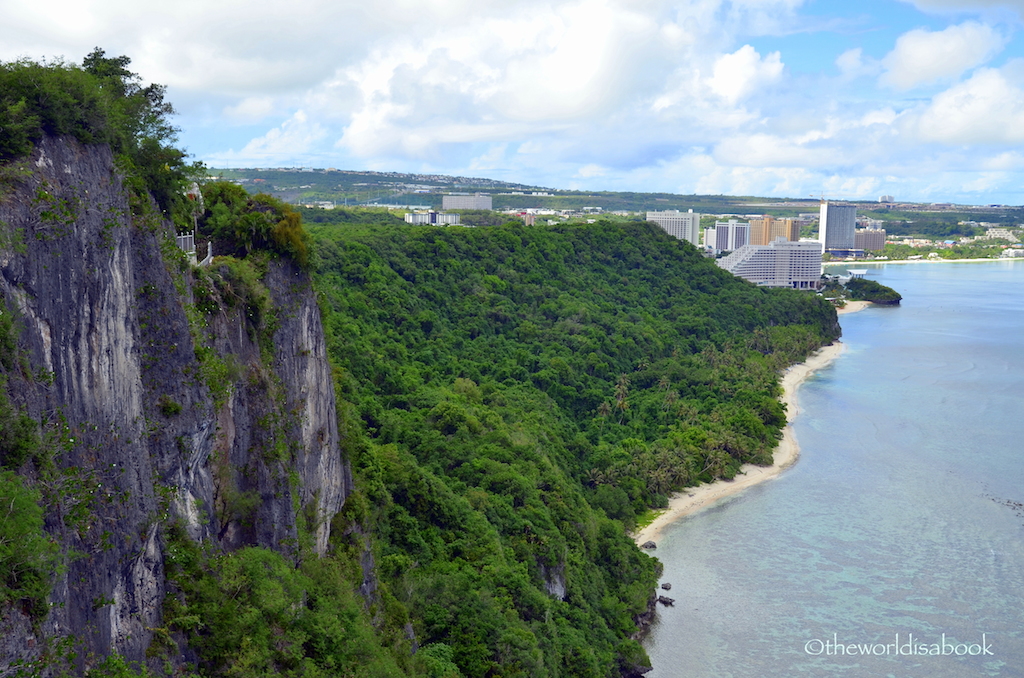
(362,448)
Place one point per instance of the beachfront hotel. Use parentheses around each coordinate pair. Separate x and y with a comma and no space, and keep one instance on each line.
(836,226)
(780,263)
(727,236)
(766,230)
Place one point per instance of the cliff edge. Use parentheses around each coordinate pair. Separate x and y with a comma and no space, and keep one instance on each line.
(162,394)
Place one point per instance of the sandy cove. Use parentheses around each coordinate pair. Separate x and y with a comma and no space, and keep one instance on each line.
(694,498)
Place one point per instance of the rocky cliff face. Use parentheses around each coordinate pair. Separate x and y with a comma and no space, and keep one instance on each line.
(140,429)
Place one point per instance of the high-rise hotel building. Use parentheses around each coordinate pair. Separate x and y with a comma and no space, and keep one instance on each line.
(727,236)
(780,263)
(764,231)
(836,226)
(682,225)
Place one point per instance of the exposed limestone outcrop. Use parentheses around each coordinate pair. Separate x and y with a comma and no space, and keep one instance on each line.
(108,365)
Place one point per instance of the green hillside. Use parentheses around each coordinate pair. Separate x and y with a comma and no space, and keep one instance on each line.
(525,393)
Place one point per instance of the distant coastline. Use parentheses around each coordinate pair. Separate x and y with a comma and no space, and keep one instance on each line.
(692,499)
(936,260)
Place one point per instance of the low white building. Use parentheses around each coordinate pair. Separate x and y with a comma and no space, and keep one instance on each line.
(457,201)
(431,218)
(1004,233)
(780,263)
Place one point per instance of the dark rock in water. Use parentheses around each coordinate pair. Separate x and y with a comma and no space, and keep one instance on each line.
(648,545)
(665,600)
(667,586)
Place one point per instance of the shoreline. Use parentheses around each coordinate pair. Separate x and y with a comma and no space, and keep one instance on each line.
(692,499)
(934,260)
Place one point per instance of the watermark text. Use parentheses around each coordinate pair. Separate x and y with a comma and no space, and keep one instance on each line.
(902,645)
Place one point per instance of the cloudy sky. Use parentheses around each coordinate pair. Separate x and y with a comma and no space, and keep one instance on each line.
(920,99)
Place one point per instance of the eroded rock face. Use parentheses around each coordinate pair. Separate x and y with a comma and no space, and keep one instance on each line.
(301,362)
(554,580)
(108,365)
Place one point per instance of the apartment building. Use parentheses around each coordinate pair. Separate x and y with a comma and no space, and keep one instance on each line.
(768,229)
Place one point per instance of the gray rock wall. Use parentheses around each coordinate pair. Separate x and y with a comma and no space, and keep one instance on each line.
(106,356)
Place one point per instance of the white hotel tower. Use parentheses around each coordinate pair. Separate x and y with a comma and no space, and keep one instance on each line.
(682,225)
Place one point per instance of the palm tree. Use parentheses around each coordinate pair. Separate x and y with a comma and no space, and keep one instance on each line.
(671,398)
(603,410)
(595,477)
(621,392)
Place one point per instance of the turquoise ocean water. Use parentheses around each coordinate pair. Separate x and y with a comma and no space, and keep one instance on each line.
(895,545)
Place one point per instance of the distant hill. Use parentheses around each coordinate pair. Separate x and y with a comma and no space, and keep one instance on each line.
(361,188)
(342,187)
(350,188)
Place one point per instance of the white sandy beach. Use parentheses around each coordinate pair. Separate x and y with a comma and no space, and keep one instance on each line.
(694,498)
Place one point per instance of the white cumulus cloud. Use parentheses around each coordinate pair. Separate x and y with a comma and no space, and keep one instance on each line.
(293,138)
(965,5)
(988,108)
(591,170)
(923,57)
(739,74)
(682,95)
(853,64)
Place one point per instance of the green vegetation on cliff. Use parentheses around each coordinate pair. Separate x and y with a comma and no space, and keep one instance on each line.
(28,556)
(511,398)
(239,224)
(99,102)
(516,395)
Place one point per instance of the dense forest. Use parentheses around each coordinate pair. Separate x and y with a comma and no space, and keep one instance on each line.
(510,399)
(633,335)
(524,394)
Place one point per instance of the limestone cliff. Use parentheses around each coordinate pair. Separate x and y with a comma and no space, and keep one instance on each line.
(114,362)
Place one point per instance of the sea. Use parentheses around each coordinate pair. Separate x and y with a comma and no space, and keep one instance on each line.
(895,545)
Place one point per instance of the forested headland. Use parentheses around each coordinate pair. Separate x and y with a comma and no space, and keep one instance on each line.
(522,394)
(664,365)
(509,400)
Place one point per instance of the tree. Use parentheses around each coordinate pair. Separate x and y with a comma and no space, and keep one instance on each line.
(98,102)
(27,556)
(621,392)
(862,289)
